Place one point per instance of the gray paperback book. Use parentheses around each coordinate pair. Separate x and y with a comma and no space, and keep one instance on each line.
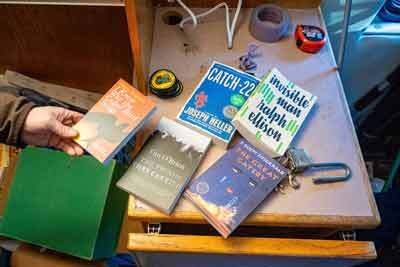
(165,164)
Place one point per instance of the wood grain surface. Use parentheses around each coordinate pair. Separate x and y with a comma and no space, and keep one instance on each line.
(252,246)
(133,11)
(32,256)
(258,218)
(140,14)
(84,47)
(6,179)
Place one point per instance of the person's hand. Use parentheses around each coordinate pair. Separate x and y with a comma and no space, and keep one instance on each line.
(51,127)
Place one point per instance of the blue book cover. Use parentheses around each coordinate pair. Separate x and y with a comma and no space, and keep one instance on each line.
(234,186)
(216,100)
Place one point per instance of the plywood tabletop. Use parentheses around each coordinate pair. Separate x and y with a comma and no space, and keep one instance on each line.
(328,134)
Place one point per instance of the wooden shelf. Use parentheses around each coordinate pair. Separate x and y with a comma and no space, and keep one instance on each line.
(252,246)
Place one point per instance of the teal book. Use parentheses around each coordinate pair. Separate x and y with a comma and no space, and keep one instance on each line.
(67,204)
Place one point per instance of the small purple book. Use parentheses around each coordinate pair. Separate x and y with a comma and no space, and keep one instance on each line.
(234,186)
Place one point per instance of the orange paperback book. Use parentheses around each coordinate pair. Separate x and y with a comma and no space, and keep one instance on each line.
(113,121)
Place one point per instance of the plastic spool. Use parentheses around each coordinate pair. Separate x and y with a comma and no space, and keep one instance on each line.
(269,23)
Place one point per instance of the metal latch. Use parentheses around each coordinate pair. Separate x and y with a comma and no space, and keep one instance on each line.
(298,161)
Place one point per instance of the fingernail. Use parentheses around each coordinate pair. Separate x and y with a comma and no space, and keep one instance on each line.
(73,132)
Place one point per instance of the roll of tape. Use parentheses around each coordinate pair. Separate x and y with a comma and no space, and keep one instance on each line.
(162,79)
(164,84)
(269,23)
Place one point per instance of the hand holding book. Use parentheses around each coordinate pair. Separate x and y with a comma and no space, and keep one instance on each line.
(112,121)
(52,126)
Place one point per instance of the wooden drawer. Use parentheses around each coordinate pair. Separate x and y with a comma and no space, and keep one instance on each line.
(158,250)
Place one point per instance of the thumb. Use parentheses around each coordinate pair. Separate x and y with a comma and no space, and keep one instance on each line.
(63,131)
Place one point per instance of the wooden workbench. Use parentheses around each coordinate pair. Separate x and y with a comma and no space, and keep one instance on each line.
(328,136)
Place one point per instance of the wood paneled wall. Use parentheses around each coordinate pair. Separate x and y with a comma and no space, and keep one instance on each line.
(84,47)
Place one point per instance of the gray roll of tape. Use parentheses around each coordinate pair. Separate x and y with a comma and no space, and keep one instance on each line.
(269,23)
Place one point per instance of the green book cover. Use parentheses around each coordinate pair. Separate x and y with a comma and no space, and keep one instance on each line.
(67,204)
(164,166)
(274,113)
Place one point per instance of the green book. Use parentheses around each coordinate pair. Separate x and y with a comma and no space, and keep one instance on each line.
(274,113)
(67,204)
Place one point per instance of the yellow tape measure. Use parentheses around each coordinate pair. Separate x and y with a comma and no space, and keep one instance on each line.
(162,80)
(165,84)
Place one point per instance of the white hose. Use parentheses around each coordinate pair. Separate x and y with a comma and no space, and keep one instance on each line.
(230,28)
(206,13)
(189,11)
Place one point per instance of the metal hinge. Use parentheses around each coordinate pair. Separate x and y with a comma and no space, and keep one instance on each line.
(348,235)
(154,228)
